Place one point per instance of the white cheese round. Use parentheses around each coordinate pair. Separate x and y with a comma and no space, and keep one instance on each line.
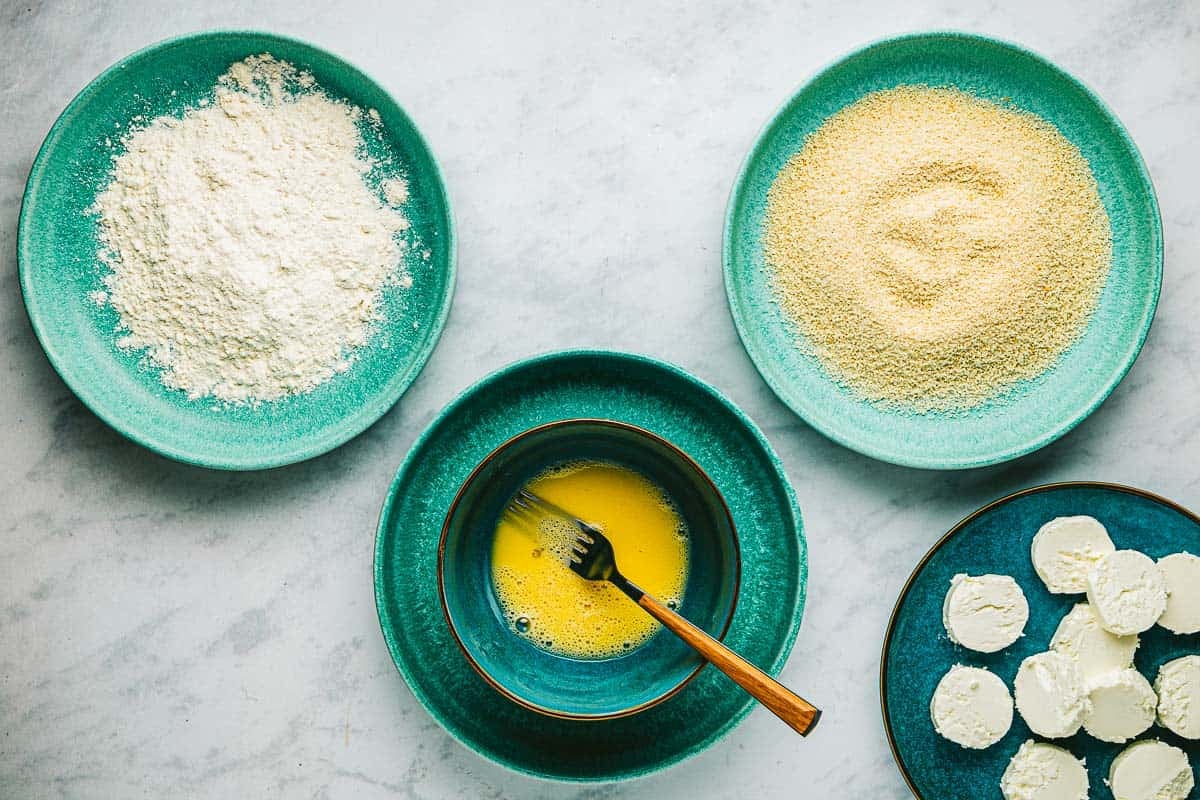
(1064,551)
(971,707)
(1151,770)
(1178,687)
(984,612)
(1051,695)
(1127,592)
(1181,571)
(1097,651)
(1123,706)
(1042,771)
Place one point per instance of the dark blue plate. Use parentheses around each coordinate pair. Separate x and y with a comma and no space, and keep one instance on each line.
(996,538)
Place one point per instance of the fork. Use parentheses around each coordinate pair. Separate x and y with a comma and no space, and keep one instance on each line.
(592,558)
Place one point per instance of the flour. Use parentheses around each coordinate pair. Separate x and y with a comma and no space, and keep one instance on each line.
(247,253)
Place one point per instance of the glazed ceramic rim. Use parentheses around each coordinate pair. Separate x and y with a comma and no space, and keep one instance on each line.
(127,425)
(711,487)
(861,445)
(798,597)
(950,534)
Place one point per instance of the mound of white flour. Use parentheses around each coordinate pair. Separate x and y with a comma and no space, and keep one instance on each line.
(247,253)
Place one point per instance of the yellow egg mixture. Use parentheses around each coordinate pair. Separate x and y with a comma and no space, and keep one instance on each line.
(544,601)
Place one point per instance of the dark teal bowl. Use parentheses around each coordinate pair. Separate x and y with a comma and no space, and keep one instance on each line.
(567,687)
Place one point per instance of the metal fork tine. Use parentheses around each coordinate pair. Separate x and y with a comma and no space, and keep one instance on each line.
(520,510)
(590,553)
(522,514)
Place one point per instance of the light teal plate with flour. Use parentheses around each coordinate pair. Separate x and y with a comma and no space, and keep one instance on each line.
(1036,412)
(57,255)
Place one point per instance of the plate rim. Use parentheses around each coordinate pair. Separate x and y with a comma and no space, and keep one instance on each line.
(798,600)
(83,390)
(915,459)
(944,539)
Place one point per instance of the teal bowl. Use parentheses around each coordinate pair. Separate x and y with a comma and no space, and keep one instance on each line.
(592,384)
(57,246)
(1033,413)
(573,688)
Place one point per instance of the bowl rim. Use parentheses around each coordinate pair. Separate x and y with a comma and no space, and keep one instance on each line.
(946,537)
(896,455)
(125,425)
(538,430)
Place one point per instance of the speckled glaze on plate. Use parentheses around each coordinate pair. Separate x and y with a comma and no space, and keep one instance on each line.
(996,539)
(57,244)
(627,388)
(1036,412)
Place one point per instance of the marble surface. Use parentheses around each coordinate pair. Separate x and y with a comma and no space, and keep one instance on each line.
(168,631)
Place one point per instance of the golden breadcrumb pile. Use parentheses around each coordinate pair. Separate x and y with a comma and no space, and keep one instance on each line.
(935,248)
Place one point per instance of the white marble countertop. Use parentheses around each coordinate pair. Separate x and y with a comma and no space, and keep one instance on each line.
(169,631)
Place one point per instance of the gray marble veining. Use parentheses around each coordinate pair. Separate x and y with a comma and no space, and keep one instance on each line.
(168,631)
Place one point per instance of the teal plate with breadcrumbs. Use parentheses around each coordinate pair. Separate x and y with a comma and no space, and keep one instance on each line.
(1032,414)
(996,539)
(601,385)
(57,254)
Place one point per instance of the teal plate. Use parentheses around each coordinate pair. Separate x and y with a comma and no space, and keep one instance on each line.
(997,538)
(603,385)
(57,245)
(1034,413)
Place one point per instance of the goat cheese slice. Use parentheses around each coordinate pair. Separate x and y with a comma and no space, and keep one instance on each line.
(1065,549)
(1123,706)
(1127,592)
(1181,571)
(1051,695)
(1178,687)
(1151,770)
(971,707)
(1097,651)
(1042,771)
(984,612)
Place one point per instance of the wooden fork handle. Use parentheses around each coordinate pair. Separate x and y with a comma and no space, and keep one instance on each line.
(790,707)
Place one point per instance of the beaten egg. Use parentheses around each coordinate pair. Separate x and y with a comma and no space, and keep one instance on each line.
(557,610)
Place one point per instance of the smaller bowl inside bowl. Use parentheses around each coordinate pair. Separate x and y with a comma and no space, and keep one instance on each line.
(554,684)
